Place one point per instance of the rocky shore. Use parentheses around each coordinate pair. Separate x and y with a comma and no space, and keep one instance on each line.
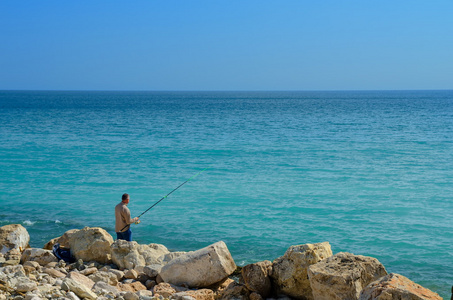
(108,269)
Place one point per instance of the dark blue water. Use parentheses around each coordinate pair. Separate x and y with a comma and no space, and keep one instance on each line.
(370,172)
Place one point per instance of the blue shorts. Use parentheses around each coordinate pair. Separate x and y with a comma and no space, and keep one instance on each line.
(125,235)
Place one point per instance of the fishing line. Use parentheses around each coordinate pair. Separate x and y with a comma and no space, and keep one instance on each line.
(168,194)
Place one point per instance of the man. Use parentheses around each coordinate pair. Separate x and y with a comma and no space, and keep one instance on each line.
(123,219)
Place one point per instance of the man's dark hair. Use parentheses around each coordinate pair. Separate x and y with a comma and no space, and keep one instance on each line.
(124,197)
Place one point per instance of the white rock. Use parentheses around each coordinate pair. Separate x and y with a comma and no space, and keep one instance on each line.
(13,236)
(200,268)
(91,244)
(130,255)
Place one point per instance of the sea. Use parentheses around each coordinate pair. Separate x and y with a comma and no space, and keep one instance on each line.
(371,172)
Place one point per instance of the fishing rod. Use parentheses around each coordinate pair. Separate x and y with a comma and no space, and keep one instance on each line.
(167,195)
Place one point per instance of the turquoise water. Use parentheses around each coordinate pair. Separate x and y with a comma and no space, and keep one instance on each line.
(370,172)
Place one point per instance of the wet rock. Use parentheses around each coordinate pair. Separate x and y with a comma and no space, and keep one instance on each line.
(289,272)
(200,268)
(91,244)
(395,286)
(343,276)
(257,277)
(13,236)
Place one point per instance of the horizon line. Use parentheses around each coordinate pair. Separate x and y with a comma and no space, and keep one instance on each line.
(234,91)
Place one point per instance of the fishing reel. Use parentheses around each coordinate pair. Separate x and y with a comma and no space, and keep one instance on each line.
(138,222)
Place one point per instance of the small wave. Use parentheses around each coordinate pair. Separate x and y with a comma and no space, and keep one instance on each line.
(58,221)
(28,222)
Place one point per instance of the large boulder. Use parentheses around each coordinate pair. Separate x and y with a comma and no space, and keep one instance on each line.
(130,255)
(200,268)
(41,256)
(289,272)
(343,276)
(91,244)
(395,286)
(62,240)
(257,277)
(13,236)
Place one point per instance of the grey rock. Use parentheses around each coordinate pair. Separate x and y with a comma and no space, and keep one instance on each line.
(41,256)
(105,288)
(131,296)
(152,270)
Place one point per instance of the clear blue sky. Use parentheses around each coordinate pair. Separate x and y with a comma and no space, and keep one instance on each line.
(226,45)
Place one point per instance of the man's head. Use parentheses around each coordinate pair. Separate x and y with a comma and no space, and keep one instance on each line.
(125,198)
